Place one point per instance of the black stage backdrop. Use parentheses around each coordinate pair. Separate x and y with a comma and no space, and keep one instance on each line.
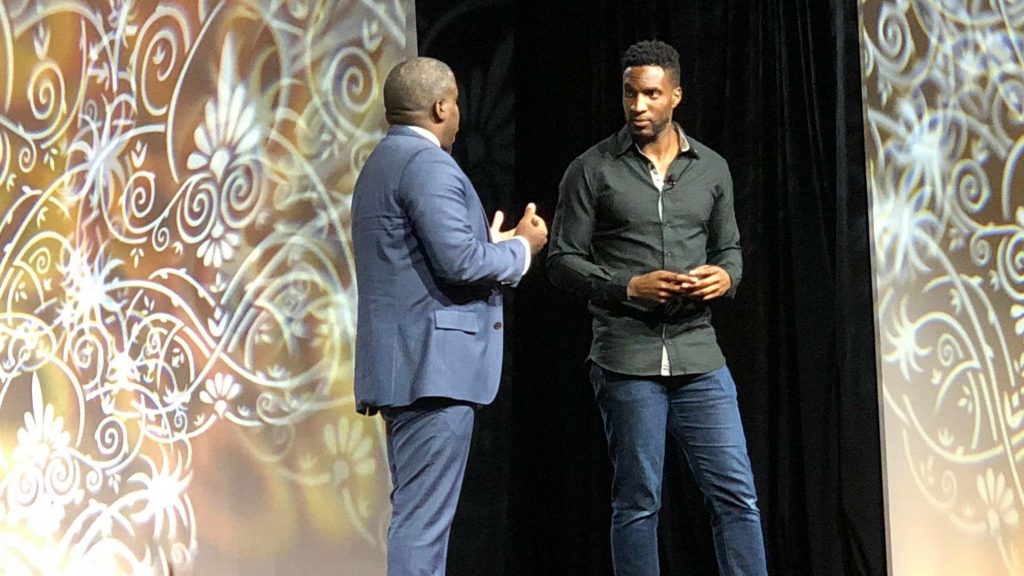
(774,86)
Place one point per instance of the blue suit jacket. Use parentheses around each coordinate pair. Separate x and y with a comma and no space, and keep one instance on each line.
(429,279)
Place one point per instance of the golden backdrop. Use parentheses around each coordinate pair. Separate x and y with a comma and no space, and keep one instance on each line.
(944,121)
(177,300)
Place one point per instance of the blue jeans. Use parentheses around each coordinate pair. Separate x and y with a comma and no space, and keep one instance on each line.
(702,414)
(428,445)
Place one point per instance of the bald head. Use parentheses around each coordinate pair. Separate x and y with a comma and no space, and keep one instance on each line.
(413,87)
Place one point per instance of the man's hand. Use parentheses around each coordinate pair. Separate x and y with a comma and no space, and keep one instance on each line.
(707,282)
(496,233)
(531,227)
(659,286)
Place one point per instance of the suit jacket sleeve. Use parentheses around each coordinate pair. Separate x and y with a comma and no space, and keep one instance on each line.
(434,194)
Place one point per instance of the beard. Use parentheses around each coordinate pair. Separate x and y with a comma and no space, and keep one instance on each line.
(648,131)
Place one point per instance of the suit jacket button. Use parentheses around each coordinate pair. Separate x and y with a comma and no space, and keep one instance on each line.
(497,325)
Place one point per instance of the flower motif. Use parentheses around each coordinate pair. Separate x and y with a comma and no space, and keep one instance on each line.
(30,337)
(219,391)
(229,131)
(87,287)
(98,147)
(903,339)
(923,146)
(123,371)
(177,401)
(43,432)
(999,498)
(901,220)
(228,137)
(164,496)
(219,246)
(350,446)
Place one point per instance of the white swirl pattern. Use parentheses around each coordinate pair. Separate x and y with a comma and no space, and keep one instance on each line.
(944,114)
(177,297)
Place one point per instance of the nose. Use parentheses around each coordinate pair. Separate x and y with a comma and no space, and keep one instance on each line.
(638,104)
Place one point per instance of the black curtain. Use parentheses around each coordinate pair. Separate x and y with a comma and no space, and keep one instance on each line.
(774,86)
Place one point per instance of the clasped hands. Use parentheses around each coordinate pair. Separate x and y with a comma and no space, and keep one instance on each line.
(705,282)
(531,227)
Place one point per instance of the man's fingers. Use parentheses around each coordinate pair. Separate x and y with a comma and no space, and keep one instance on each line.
(703,271)
(672,288)
(710,292)
(530,212)
(718,291)
(499,219)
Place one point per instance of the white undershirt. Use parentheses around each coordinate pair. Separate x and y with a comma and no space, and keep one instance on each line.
(659,183)
(426,134)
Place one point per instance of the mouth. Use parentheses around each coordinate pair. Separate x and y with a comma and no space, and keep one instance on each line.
(640,122)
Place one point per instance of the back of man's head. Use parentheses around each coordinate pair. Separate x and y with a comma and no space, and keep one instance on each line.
(653,53)
(412,87)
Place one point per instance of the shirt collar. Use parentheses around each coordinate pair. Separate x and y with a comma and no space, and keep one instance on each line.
(424,133)
(625,142)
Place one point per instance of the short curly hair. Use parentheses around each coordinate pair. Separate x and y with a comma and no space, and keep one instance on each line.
(653,53)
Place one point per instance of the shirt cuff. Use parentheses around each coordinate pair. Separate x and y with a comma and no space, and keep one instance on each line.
(526,244)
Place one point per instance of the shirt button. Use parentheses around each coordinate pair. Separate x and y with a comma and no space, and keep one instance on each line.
(497,325)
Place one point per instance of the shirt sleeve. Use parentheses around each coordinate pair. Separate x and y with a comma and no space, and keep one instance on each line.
(570,262)
(723,248)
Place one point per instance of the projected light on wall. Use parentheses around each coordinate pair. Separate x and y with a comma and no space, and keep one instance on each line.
(944,110)
(176,292)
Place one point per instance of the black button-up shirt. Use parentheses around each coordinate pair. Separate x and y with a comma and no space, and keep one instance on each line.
(607,229)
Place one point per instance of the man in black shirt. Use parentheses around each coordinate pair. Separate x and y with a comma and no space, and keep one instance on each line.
(645,230)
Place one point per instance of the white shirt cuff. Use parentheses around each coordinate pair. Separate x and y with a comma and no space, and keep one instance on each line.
(526,244)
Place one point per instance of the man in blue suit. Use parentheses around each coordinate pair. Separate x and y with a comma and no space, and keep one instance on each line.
(429,333)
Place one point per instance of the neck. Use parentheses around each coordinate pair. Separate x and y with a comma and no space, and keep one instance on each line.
(664,144)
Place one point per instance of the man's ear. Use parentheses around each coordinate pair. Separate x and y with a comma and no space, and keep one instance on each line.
(440,110)
(677,96)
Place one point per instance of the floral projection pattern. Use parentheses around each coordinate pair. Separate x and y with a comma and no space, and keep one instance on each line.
(177,298)
(944,111)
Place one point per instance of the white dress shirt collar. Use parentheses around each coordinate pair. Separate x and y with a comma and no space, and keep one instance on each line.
(426,134)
